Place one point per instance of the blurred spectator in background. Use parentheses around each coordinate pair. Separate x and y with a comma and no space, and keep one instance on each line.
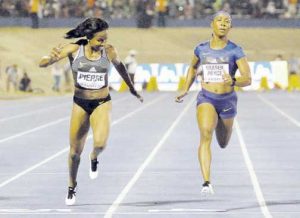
(6,8)
(270,11)
(255,8)
(131,64)
(172,9)
(12,77)
(145,13)
(1,82)
(67,77)
(226,7)
(278,58)
(57,71)
(21,8)
(294,65)
(144,9)
(291,8)
(34,7)
(25,83)
(217,5)
(188,10)
(162,10)
(0,70)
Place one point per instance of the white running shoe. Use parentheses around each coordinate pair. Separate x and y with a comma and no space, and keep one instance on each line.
(70,198)
(93,169)
(207,189)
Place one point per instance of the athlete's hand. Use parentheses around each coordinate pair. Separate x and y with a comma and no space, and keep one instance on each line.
(179,98)
(134,92)
(140,98)
(45,61)
(53,57)
(227,78)
(55,53)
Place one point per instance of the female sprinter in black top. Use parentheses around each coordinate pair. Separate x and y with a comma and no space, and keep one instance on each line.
(90,61)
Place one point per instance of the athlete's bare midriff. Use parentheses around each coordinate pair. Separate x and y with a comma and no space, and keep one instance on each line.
(91,94)
(218,88)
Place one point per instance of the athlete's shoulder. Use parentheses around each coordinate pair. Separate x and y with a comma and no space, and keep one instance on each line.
(237,50)
(81,42)
(70,48)
(200,47)
(110,51)
(233,45)
(109,46)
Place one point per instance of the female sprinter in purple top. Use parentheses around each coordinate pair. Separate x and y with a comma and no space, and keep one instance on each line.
(218,58)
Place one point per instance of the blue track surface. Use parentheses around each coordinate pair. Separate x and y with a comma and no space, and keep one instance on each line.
(150,166)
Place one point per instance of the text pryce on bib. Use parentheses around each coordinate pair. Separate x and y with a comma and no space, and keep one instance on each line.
(214,72)
(91,80)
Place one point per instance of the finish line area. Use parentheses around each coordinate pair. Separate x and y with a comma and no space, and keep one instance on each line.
(150,166)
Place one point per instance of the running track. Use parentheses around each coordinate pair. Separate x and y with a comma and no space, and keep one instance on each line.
(150,167)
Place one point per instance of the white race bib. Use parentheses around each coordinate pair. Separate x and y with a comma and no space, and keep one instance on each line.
(91,80)
(214,72)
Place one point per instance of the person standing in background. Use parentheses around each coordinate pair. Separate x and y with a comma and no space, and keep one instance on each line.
(0,78)
(57,71)
(278,57)
(294,65)
(67,77)
(162,10)
(25,83)
(0,71)
(34,7)
(131,64)
(145,13)
(12,77)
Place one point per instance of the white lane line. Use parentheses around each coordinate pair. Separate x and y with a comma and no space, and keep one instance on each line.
(296,122)
(132,113)
(34,129)
(33,167)
(45,126)
(174,173)
(185,210)
(34,112)
(140,170)
(121,99)
(67,148)
(254,180)
(137,214)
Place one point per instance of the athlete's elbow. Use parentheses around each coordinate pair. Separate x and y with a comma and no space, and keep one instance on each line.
(42,65)
(45,61)
(249,81)
(245,82)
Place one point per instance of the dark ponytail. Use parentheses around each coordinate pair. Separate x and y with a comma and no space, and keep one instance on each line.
(87,28)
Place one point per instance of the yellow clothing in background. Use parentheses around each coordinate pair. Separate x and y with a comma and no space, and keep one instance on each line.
(34,6)
(161,5)
(90,3)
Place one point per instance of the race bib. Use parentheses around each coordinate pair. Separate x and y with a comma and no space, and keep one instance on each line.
(91,80)
(213,72)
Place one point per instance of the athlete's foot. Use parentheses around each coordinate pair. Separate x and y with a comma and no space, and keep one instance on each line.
(93,168)
(71,198)
(207,189)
